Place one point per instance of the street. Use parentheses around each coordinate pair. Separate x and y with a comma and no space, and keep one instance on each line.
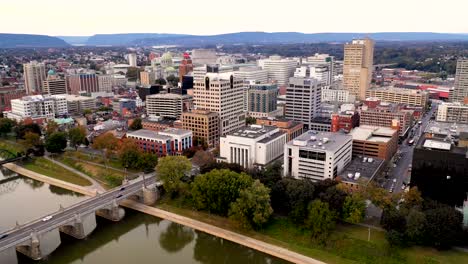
(400,172)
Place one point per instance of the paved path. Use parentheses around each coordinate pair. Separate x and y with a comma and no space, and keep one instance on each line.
(95,184)
(261,246)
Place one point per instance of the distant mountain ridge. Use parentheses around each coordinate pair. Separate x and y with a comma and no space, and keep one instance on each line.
(30,41)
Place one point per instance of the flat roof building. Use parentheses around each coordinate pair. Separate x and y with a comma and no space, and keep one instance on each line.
(171,141)
(375,142)
(400,96)
(204,125)
(253,145)
(452,112)
(317,156)
(292,128)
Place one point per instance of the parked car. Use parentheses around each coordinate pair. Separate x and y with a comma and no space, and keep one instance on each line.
(47,218)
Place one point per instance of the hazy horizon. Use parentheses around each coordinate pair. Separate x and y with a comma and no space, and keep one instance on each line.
(210,17)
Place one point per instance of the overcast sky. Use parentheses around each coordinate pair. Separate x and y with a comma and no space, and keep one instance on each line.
(88,17)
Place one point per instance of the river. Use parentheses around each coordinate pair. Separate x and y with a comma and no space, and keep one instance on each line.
(138,238)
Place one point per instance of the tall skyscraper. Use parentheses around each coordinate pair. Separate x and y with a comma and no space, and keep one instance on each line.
(83,82)
(105,83)
(303,99)
(357,68)
(460,91)
(132,59)
(34,75)
(220,92)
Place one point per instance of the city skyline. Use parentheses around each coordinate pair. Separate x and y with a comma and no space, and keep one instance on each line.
(52,17)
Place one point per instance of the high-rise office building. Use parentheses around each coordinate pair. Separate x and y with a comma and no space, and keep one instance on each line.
(204,125)
(147,78)
(166,105)
(34,75)
(303,100)
(256,74)
(219,91)
(323,60)
(262,100)
(83,82)
(105,83)
(54,84)
(279,69)
(132,59)
(460,90)
(357,68)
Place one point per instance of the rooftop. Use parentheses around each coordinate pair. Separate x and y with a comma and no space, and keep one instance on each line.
(399,90)
(362,168)
(445,128)
(176,131)
(372,133)
(148,134)
(252,131)
(320,141)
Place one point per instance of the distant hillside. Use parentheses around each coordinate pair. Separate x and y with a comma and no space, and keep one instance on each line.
(26,40)
(294,37)
(74,39)
(125,39)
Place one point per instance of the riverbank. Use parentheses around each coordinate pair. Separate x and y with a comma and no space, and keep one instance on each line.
(197,225)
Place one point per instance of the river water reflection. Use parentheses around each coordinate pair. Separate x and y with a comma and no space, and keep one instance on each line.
(138,238)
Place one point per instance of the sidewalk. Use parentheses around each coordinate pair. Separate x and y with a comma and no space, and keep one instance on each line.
(95,184)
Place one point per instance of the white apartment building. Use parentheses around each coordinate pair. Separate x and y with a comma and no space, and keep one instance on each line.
(253,145)
(37,107)
(317,156)
(255,74)
(165,105)
(105,83)
(337,95)
(460,91)
(452,112)
(132,59)
(220,92)
(323,60)
(76,104)
(34,75)
(279,69)
(303,100)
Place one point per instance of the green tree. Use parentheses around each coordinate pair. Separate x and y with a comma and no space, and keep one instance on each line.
(147,161)
(415,226)
(269,175)
(216,190)
(250,120)
(173,80)
(136,124)
(87,112)
(252,208)
(56,142)
(161,81)
(320,220)
(171,170)
(31,140)
(77,136)
(21,130)
(443,226)
(51,127)
(354,209)
(6,125)
(129,153)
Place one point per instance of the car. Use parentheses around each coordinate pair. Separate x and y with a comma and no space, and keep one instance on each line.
(394,180)
(123,188)
(3,236)
(118,196)
(391,190)
(47,218)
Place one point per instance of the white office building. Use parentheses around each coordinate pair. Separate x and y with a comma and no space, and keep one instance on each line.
(321,73)
(37,107)
(164,105)
(337,95)
(303,100)
(452,112)
(253,145)
(317,156)
(253,73)
(219,91)
(279,69)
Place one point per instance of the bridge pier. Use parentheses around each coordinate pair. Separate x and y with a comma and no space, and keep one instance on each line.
(112,212)
(40,245)
(8,256)
(80,226)
(150,194)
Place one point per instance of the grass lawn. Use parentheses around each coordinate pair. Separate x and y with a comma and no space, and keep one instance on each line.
(112,163)
(46,167)
(11,146)
(108,177)
(347,244)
